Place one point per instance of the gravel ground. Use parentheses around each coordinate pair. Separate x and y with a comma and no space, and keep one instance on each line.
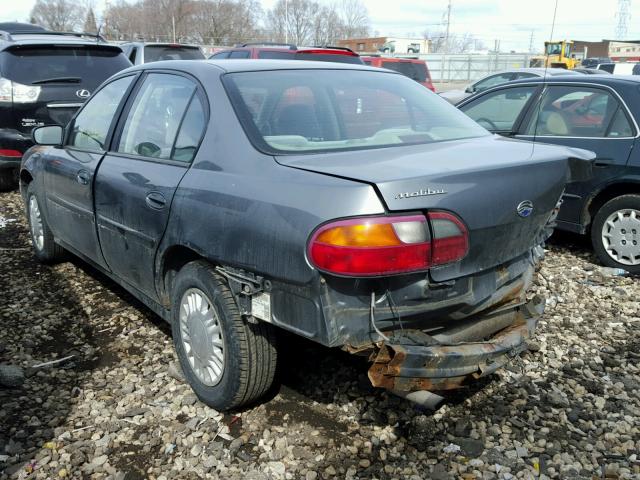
(118,408)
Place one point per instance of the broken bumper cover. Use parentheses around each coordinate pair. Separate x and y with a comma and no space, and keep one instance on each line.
(449,365)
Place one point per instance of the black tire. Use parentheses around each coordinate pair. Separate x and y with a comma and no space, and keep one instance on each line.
(50,251)
(8,180)
(622,202)
(249,349)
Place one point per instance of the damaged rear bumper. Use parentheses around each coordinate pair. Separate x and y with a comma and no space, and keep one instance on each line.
(411,361)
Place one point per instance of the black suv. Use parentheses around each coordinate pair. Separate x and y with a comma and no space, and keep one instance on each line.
(44,77)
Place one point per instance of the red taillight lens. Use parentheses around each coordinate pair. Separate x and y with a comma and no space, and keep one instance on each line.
(376,246)
(450,238)
(9,153)
(372,246)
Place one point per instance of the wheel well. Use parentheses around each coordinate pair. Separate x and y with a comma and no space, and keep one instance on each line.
(608,193)
(25,177)
(174,259)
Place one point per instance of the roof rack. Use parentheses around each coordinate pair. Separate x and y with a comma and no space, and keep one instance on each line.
(9,36)
(290,46)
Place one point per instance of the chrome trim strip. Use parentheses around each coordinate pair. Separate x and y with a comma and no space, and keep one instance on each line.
(64,105)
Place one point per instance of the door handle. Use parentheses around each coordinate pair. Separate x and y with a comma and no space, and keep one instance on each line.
(156,200)
(83,177)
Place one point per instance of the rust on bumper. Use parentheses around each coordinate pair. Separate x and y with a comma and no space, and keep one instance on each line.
(447,366)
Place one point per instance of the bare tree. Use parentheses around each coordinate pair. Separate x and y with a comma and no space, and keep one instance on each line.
(355,19)
(292,20)
(90,24)
(463,43)
(222,22)
(327,26)
(60,15)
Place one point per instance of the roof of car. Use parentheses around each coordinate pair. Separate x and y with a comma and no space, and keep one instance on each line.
(252,65)
(605,79)
(8,40)
(291,48)
(160,44)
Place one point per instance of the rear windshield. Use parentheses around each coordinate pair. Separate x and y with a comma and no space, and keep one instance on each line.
(316,57)
(90,65)
(291,111)
(330,57)
(275,54)
(415,71)
(155,53)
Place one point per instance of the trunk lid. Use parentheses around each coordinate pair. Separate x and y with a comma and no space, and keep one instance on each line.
(482,180)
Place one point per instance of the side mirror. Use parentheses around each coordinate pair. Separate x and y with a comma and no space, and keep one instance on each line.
(470,89)
(49,135)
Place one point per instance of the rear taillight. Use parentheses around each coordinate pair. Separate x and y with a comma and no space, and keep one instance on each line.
(450,241)
(374,246)
(4,152)
(17,93)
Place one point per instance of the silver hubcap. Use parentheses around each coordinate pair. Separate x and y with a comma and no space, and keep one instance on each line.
(202,336)
(35,220)
(621,236)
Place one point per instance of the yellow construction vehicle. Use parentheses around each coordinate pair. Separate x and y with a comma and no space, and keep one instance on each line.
(560,55)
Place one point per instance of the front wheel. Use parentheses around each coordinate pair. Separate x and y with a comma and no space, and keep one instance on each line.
(227,361)
(615,233)
(44,246)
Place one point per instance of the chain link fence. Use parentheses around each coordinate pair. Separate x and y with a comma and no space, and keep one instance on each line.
(469,67)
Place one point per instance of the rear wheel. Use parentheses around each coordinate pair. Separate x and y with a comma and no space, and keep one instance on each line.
(615,233)
(227,361)
(8,180)
(44,246)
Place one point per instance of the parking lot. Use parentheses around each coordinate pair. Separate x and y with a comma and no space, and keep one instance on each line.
(115,407)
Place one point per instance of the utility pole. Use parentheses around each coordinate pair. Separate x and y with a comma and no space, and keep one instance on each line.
(531,42)
(173,27)
(446,36)
(286,21)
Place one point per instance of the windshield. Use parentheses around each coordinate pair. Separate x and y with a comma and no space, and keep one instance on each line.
(415,71)
(155,53)
(320,110)
(554,48)
(93,65)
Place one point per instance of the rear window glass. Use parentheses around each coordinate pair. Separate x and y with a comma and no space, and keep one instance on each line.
(415,71)
(88,65)
(274,54)
(322,110)
(330,57)
(155,53)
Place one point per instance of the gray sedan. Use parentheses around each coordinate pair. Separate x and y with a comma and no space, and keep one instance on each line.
(342,203)
(506,76)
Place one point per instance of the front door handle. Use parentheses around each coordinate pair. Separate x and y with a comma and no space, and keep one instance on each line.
(83,177)
(156,201)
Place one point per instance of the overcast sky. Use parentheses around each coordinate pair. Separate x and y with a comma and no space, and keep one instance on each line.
(510,21)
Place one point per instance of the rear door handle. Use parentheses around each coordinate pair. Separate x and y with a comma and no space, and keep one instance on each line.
(156,200)
(83,177)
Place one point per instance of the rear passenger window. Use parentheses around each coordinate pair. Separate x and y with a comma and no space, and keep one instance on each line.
(191,132)
(153,121)
(620,126)
(239,54)
(567,111)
